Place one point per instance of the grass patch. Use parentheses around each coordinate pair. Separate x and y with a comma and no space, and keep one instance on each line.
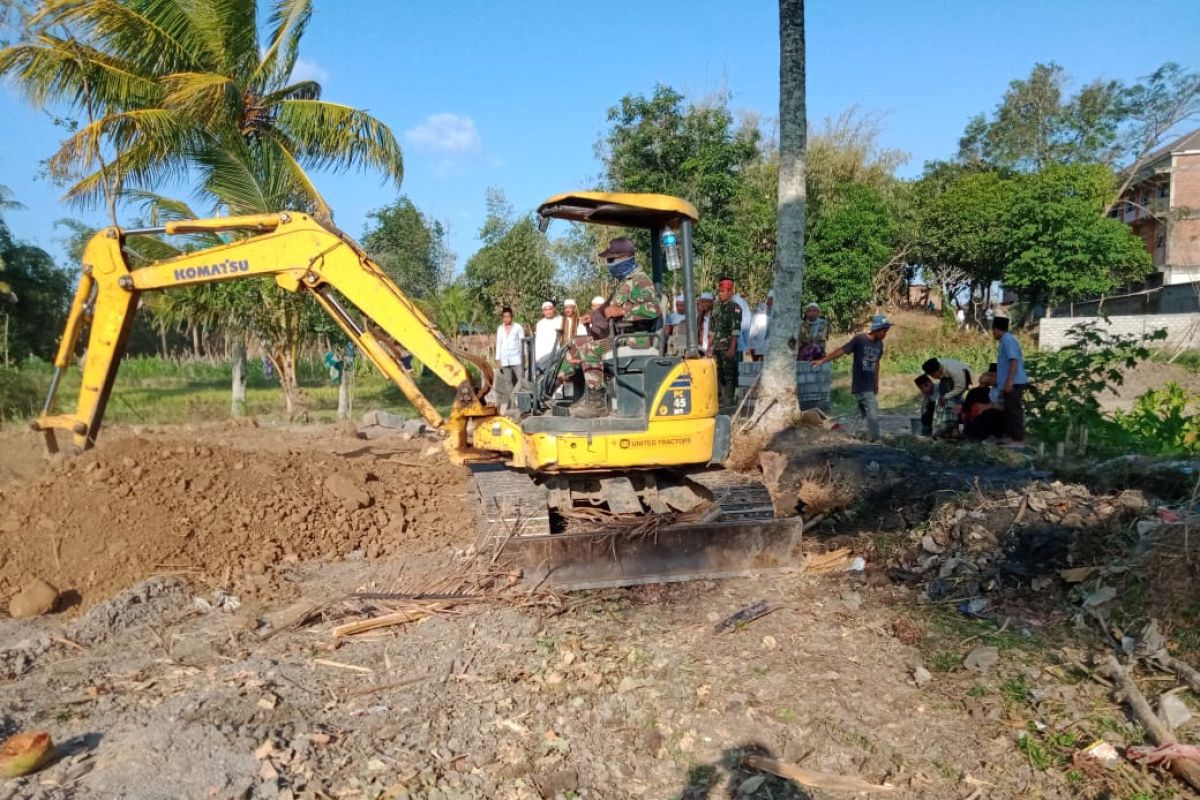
(947,624)
(154,391)
(1015,690)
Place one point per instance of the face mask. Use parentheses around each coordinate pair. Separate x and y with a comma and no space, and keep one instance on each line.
(621,269)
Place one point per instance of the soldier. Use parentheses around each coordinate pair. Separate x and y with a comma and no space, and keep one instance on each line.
(726,330)
(632,301)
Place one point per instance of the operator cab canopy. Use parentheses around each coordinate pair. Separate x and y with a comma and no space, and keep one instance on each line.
(646,211)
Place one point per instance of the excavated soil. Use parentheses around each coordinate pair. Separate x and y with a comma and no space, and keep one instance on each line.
(229,506)
(163,687)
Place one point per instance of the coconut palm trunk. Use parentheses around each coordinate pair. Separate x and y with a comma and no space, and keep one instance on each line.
(238,402)
(777,386)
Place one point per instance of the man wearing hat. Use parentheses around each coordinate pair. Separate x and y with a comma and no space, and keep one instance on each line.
(867,349)
(545,333)
(814,334)
(632,303)
(726,330)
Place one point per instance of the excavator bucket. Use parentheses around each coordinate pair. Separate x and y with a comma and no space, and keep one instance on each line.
(732,533)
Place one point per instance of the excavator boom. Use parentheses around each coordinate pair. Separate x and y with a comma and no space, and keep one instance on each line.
(302,255)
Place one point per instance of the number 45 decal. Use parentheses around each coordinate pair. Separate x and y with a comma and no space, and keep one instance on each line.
(677,403)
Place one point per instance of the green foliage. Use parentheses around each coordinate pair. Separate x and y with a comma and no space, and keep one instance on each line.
(848,242)
(959,213)
(21,394)
(1034,126)
(513,268)
(1037,124)
(1043,234)
(662,144)
(1056,242)
(1165,420)
(407,245)
(453,310)
(1065,385)
(33,300)
(171,87)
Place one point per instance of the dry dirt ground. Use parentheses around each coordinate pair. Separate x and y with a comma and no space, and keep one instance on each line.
(606,694)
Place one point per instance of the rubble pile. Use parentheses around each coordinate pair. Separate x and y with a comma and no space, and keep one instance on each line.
(981,545)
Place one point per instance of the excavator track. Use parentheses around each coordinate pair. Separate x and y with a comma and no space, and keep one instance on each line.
(734,534)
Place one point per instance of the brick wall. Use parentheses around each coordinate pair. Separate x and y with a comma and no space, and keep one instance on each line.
(1182,329)
(1183,241)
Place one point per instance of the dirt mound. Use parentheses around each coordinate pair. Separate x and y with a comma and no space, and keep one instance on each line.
(230,514)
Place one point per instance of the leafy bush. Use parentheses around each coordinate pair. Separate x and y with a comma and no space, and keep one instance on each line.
(20,394)
(1165,420)
(1065,385)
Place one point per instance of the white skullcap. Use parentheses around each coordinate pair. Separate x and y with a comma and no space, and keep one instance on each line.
(568,302)
(547,304)
(771,295)
(812,305)
(678,298)
(706,296)
(597,300)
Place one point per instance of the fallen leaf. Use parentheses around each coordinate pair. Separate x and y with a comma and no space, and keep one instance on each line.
(1099,597)
(265,749)
(1076,574)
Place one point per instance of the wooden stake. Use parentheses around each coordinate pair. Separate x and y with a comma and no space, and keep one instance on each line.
(1185,769)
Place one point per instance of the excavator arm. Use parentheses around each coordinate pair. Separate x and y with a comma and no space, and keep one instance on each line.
(302,255)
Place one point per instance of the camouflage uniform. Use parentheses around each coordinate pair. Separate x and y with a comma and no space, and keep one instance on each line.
(636,295)
(726,327)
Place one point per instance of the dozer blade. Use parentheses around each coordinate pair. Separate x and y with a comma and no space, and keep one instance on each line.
(685,552)
(733,535)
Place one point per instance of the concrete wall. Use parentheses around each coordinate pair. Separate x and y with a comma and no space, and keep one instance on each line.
(1182,329)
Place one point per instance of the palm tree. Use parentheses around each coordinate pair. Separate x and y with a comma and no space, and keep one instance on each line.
(178,90)
(170,87)
(778,381)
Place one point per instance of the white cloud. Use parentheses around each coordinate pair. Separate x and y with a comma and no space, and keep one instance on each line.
(447,134)
(305,70)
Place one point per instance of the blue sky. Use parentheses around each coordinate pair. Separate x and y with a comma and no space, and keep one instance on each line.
(515,94)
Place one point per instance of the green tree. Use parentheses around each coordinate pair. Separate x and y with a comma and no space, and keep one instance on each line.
(960,211)
(171,87)
(34,303)
(407,245)
(663,144)
(1036,125)
(844,249)
(514,267)
(1055,243)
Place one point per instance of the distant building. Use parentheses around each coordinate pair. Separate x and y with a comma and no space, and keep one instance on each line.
(1162,206)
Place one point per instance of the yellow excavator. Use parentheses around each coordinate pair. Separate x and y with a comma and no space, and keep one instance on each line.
(635,496)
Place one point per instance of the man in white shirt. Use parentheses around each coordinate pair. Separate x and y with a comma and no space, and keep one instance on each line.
(704,307)
(508,354)
(756,341)
(744,335)
(545,333)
